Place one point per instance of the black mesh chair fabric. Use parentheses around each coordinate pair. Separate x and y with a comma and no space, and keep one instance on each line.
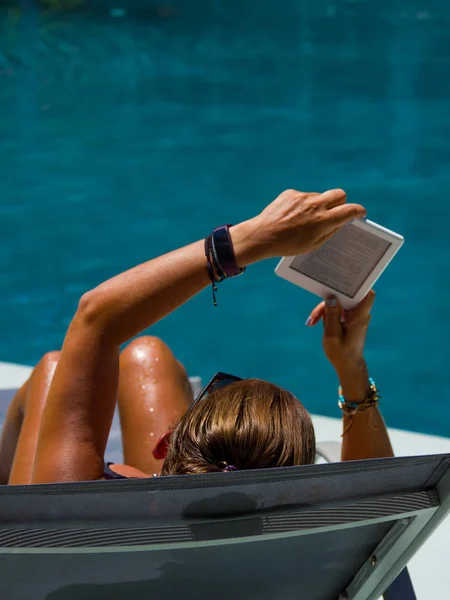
(298,532)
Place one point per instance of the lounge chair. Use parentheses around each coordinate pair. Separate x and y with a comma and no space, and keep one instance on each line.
(317,532)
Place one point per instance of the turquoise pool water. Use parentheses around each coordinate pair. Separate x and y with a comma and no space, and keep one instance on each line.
(124,137)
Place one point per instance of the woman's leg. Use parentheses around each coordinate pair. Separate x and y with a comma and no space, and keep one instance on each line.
(10,433)
(154,393)
(21,428)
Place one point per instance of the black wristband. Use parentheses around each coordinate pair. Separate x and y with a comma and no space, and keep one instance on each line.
(223,252)
(216,275)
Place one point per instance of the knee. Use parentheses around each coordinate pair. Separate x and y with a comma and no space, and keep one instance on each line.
(148,354)
(144,349)
(42,376)
(49,360)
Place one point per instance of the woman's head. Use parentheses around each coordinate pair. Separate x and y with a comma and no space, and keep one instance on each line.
(251,424)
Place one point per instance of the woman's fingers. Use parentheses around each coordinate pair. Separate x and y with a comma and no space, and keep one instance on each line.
(333,198)
(318,313)
(315,315)
(362,310)
(332,326)
(342,214)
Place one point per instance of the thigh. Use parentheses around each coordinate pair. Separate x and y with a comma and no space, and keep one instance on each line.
(11,432)
(154,393)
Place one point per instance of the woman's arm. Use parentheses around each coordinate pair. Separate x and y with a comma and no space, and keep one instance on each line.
(80,405)
(127,304)
(364,433)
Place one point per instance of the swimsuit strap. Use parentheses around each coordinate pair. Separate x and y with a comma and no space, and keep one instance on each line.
(110,474)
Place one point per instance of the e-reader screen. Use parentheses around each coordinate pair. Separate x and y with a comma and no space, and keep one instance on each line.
(345,261)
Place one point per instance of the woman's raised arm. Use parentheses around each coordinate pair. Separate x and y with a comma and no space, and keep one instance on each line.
(127,304)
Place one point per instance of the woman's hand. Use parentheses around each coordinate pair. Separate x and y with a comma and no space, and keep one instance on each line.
(344,332)
(300,222)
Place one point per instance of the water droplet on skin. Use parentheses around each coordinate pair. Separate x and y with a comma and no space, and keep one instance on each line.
(152,409)
(156,358)
(139,353)
(152,434)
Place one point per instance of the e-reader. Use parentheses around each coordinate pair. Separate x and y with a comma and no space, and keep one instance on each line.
(347,265)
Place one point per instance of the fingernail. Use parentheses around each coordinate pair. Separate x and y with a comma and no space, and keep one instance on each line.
(308,321)
(331,302)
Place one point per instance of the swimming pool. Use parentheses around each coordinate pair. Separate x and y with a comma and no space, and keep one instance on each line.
(125,136)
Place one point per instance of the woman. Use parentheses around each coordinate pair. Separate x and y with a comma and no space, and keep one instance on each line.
(58,424)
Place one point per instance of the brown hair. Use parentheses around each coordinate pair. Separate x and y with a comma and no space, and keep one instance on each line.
(251,424)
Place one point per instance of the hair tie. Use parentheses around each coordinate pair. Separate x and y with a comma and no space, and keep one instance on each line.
(230,468)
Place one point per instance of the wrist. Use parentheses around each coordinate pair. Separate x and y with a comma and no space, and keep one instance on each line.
(350,367)
(247,243)
(354,380)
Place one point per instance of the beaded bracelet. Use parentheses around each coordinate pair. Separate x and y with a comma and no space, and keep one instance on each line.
(369,401)
(350,409)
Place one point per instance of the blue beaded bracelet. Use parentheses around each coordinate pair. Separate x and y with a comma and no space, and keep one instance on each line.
(373,396)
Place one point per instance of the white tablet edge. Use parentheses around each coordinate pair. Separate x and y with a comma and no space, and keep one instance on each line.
(283,268)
